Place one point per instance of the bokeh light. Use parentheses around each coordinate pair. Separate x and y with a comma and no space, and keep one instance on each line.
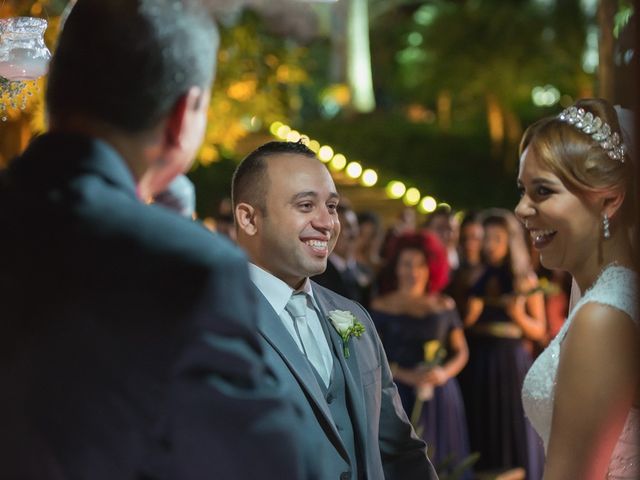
(354,169)
(396,189)
(428,204)
(325,153)
(338,162)
(293,136)
(411,197)
(369,178)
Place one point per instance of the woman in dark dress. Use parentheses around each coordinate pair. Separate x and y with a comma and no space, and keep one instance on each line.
(424,340)
(471,264)
(505,310)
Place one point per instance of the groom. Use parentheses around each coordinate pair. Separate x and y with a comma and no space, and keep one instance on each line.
(285,206)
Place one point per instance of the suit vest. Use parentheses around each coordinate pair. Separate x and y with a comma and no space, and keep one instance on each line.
(336,397)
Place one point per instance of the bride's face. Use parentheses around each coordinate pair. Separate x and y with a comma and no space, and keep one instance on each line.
(564,227)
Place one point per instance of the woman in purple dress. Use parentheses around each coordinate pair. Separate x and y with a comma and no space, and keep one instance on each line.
(424,341)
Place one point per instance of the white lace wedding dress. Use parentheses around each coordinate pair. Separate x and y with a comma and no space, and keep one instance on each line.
(618,287)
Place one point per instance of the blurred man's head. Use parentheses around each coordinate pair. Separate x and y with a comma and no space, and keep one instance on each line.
(136,69)
(440,222)
(349,230)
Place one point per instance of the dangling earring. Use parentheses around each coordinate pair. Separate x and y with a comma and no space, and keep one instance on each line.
(606,232)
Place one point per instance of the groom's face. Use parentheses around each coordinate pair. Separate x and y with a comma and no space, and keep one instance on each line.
(300,226)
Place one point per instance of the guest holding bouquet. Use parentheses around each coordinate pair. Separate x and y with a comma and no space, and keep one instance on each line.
(424,340)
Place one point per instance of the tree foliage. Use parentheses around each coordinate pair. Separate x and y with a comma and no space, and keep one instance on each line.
(256,83)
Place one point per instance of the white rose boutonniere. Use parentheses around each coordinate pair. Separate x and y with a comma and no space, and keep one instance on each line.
(347,325)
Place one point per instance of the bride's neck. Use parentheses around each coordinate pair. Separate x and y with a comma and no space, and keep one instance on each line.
(615,250)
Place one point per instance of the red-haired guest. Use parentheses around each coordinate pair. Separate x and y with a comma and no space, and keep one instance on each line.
(424,340)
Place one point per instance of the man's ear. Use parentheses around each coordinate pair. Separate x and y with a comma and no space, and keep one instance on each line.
(245,216)
(179,115)
(612,201)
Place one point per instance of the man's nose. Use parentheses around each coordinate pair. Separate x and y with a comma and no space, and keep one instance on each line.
(324,220)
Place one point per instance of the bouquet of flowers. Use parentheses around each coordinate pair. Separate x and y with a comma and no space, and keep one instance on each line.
(434,354)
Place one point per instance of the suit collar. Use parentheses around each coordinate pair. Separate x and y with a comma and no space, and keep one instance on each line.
(60,155)
(276,292)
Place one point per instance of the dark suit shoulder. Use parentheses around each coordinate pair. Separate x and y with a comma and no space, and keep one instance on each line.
(152,230)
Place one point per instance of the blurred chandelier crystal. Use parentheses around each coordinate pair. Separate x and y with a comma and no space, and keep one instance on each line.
(24,58)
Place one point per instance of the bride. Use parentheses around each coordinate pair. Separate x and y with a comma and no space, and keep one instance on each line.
(577,192)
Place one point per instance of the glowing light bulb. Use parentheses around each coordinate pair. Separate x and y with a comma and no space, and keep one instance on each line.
(428,204)
(412,197)
(293,136)
(283,131)
(396,189)
(369,178)
(338,162)
(354,169)
(325,153)
(273,128)
(314,146)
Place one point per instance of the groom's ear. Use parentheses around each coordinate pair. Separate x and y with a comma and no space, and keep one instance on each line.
(245,215)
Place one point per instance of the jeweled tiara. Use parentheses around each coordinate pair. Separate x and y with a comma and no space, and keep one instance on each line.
(600,131)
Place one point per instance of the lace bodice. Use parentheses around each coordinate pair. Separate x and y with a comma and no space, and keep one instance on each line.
(617,287)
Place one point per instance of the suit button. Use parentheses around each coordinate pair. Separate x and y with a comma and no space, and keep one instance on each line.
(339,428)
(330,398)
(345,475)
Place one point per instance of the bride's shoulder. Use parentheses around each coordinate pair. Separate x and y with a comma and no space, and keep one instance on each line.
(603,324)
(616,288)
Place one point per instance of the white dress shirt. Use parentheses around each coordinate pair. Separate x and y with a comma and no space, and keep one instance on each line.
(277,294)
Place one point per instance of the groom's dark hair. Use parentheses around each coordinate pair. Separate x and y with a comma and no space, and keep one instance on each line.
(250,181)
(125,63)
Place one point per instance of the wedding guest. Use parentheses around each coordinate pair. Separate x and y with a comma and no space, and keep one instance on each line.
(344,274)
(224,219)
(424,340)
(556,287)
(369,241)
(404,222)
(471,263)
(577,202)
(129,343)
(443,223)
(326,346)
(504,310)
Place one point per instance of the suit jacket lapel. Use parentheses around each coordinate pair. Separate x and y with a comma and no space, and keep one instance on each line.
(349,365)
(279,338)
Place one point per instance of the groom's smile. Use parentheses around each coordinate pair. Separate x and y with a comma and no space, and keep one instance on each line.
(318,247)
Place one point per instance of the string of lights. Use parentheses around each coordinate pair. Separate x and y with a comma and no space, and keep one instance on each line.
(367,177)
